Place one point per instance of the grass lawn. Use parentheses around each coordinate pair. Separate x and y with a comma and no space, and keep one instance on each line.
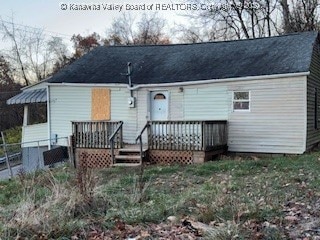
(264,198)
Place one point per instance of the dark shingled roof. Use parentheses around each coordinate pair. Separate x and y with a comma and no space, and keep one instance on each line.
(192,62)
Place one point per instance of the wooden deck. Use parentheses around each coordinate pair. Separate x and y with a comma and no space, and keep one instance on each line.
(166,141)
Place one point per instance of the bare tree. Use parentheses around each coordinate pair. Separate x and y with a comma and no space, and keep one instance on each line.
(151,30)
(60,53)
(195,34)
(270,24)
(237,19)
(38,59)
(126,30)
(16,38)
(121,31)
(286,16)
(300,15)
(234,19)
(32,53)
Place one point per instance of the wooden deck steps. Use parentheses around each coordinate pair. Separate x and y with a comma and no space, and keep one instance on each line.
(130,156)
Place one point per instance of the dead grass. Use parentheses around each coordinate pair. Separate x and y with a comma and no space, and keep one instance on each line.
(268,198)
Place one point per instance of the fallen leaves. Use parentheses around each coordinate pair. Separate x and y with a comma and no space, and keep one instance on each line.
(180,231)
(302,220)
(291,219)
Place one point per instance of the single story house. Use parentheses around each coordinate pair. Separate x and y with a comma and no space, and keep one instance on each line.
(255,95)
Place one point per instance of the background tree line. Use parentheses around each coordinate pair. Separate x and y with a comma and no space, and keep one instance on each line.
(34,57)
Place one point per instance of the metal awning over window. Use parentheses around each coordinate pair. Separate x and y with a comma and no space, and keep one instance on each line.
(31,96)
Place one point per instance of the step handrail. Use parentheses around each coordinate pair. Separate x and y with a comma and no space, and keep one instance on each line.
(140,140)
(111,139)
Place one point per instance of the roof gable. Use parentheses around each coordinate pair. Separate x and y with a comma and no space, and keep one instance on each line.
(192,62)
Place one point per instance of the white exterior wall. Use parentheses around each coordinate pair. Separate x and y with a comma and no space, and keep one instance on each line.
(68,104)
(206,103)
(276,122)
(143,111)
(33,134)
(176,104)
(73,103)
(120,111)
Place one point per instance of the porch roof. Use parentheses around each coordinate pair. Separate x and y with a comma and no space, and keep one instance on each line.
(30,96)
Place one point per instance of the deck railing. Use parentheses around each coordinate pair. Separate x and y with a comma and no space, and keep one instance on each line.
(162,135)
(96,134)
(117,132)
(139,138)
(186,135)
(215,133)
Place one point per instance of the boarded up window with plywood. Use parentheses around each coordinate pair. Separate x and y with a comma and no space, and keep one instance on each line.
(100,104)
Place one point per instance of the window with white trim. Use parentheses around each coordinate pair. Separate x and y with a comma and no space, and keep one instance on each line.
(241,101)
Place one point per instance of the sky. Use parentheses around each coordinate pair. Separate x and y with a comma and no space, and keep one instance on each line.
(61,17)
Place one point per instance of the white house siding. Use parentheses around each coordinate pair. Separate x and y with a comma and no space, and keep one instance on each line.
(206,103)
(68,104)
(33,134)
(176,104)
(73,103)
(276,122)
(143,113)
(120,111)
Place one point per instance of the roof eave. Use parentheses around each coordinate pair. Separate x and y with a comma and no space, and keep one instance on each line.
(184,83)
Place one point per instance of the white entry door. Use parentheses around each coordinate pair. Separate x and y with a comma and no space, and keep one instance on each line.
(159,112)
(159,105)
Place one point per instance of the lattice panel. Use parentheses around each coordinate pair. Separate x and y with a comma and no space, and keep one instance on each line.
(94,158)
(170,157)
